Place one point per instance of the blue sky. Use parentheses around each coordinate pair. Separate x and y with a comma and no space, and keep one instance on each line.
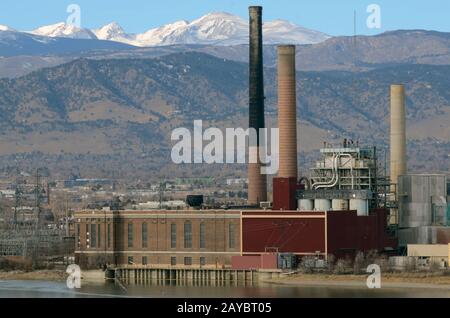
(334,17)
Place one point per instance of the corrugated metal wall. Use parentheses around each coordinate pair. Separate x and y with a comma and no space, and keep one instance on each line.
(283,234)
(417,195)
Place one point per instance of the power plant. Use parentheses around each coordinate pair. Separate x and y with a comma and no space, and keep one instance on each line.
(344,207)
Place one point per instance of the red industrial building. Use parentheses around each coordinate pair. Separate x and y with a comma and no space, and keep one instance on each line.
(285,193)
(310,233)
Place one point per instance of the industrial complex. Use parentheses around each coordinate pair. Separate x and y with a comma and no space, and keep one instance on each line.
(346,205)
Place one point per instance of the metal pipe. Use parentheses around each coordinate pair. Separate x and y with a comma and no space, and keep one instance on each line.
(327,186)
(316,184)
(333,182)
(351,167)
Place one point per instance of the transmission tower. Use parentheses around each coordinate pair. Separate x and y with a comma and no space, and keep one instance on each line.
(17,201)
(37,228)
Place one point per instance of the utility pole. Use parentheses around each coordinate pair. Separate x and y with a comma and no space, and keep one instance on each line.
(354,40)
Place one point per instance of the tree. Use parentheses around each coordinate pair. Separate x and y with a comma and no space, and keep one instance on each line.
(358,264)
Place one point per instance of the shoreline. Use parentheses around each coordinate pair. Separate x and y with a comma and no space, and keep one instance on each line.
(42,275)
(413,280)
(399,280)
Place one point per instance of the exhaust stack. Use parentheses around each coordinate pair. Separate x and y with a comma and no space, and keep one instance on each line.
(287,107)
(257,182)
(398,134)
(285,185)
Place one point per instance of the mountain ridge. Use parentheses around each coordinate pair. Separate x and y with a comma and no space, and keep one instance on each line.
(126,109)
(23,53)
(218,28)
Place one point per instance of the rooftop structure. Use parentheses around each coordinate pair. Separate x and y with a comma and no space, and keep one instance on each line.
(345,178)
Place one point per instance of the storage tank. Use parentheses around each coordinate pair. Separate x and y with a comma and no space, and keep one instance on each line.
(322,205)
(360,205)
(194,201)
(306,205)
(340,205)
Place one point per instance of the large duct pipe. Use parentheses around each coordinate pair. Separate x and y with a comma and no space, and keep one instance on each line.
(287,111)
(257,182)
(398,133)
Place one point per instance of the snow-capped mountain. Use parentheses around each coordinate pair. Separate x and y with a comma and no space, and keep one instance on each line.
(212,29)
(6,28)
(114,32)
(64,30)
(109,32)
(174,33)
(16,43)
(226,29)
(284,31)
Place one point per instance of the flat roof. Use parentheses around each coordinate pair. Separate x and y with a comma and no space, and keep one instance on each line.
(195,211)
(200,214)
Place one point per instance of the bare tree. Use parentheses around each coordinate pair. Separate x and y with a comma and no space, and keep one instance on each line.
(358,263)
(342,266)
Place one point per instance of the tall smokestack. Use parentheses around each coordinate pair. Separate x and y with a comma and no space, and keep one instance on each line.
(287,111)
(257,182)
(398,133)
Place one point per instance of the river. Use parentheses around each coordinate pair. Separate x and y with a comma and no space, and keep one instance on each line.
(43,289)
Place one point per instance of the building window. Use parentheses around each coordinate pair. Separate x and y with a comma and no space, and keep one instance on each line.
(173,261)
(99,236)
(202,235)
(188,261)
(144,235)
(93,236)
(231,236)
(88,244)
(173,235)
(187,234)
(130,260)
(202,261)
(78,235)
(109,235)
(144,260)
(130,234)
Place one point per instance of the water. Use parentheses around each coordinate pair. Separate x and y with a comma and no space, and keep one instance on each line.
(42,289)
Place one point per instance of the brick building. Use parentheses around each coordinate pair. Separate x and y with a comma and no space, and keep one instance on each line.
(210,238)
(164,238)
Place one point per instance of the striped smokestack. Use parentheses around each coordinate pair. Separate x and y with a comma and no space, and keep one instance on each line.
(257,182)
(398,133)
(287,112)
